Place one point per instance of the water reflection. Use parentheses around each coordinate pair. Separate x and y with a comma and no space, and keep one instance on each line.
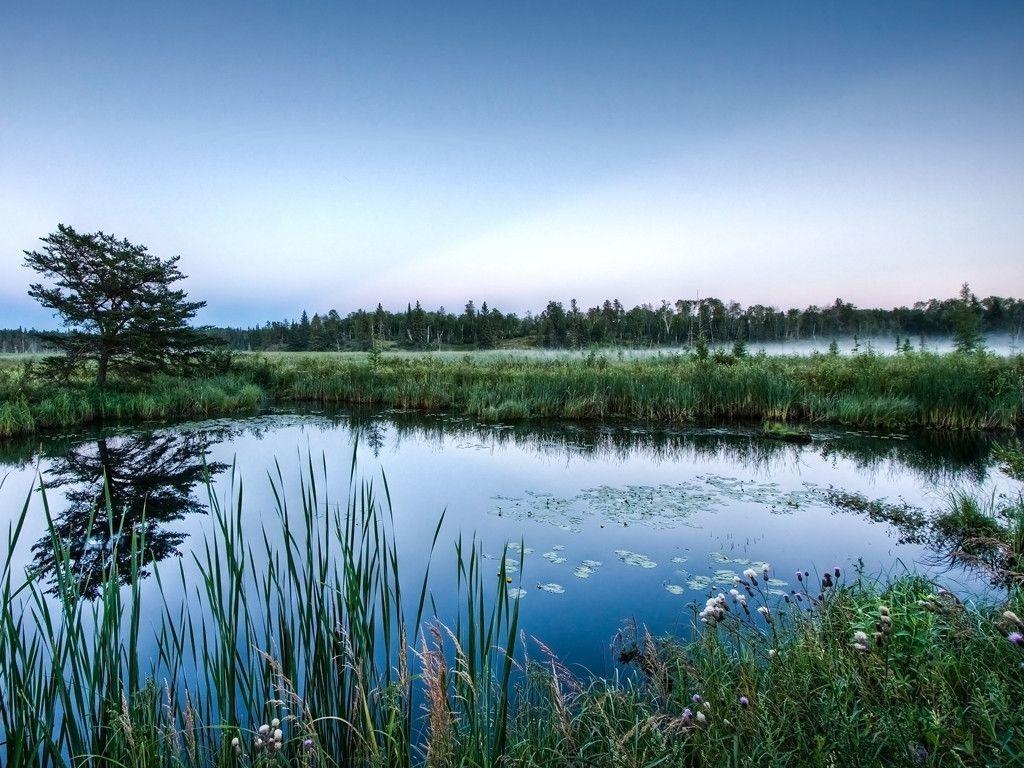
(119,490)
(154,477)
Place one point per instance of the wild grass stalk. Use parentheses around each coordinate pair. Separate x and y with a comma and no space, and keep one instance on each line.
(297,624)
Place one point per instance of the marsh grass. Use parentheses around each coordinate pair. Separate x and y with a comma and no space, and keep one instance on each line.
(301,621)
(28,406)
(313,631)
(913,390)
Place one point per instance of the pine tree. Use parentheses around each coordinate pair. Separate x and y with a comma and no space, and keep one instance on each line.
(485,329)
(318,341)
(118,305)
(967,336)
(418,327)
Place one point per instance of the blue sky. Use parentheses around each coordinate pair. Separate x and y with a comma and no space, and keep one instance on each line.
(329,155)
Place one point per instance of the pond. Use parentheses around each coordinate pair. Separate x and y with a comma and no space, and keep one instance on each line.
(611,521)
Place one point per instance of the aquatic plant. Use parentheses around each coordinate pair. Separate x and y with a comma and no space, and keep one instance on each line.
(293,641)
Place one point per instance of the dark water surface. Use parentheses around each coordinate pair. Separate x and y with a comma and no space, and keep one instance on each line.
(618,521)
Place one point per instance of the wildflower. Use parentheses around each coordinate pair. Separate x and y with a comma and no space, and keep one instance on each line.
(799,576)
(275,723)
(751,574)
(860,641)
(236,745)
(744,702)
(1013,618)
(307,743)
(696,698)
(687,715)
(278,734)
(701,719)
(837,572)
(772,653)
(764,572)
(763,610)
(264,729)
(714,609)
(1016,638)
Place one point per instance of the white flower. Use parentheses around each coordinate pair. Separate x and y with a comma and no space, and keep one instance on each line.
(750,573)
(275,723)
(264,729)
(278,734)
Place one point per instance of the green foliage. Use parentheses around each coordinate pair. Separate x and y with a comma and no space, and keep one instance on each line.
(915,390)
(315,631)
(1011,458)
(967,335)
(118,307)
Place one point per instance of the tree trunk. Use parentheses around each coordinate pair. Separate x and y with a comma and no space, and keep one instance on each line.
(101,369)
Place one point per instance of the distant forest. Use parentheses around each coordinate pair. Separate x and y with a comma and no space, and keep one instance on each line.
(680,323)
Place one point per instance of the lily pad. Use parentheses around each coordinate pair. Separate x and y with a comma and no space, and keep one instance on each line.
(635,558)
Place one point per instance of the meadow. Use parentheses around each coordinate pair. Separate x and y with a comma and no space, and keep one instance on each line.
(906,391)
(307,651)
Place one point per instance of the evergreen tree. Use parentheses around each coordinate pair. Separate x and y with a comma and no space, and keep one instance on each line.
(418,327)
(380,323)
(967,336)
(485,329)
(118,305)
(299,336)
(318,341)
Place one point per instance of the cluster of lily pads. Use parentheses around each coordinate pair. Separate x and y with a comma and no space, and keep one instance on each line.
(664,506)
(723,578)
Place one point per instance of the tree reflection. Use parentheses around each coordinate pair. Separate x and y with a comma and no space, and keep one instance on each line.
(121,495)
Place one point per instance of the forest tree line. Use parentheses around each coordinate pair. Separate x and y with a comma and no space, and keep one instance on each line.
(679,323)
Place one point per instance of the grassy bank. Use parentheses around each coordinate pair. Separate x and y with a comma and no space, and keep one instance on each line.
(288,651)
(894,392)
(28,405)
(913,390)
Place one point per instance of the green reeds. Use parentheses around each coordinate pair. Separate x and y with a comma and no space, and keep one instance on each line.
(912,390)
(299,619)
(915,390)
(288,640)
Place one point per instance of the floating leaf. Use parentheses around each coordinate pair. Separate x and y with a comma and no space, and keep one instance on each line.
(635,558)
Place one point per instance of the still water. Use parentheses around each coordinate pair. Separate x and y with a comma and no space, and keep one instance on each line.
(616,521)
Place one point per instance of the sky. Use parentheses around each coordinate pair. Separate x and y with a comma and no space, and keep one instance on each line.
(307,155)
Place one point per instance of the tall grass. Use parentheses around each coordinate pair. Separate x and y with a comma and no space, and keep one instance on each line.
(301,625)
(297,644)
(912,390)
(34,406)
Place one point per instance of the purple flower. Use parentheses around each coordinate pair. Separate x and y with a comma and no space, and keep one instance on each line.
(744,702)
(687,715)
(799,576)
(1016,638)
(697,699)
